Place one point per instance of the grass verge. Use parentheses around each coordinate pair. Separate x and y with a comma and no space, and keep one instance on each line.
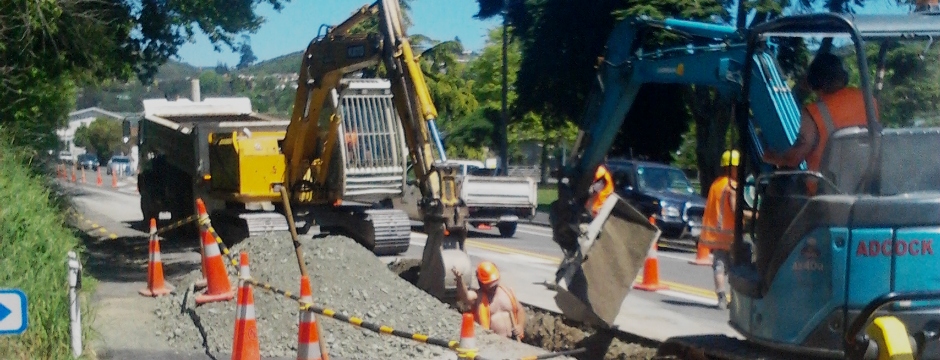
(547,194)
(34,243)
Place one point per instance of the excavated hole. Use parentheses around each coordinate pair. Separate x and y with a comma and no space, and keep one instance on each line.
(553,332)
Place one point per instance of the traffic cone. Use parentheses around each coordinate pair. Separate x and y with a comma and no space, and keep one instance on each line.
(218,287)
(99,182)
(203,230)
(702,255)
(468,343)
(74,180)
(651,273)
(308,336)
(114,179)
(155,284)
(83,175)
(245,344)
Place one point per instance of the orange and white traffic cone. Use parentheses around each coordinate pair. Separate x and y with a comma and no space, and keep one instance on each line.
(308,336)
(468,344)
(218,287)
(114,179)
(155,283)
(98,181)
(702,255)
(245,344)
(203,231)
(651,273)
(74,180)
(83,175)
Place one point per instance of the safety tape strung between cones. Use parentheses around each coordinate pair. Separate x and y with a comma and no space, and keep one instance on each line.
(382,329)
(178,224)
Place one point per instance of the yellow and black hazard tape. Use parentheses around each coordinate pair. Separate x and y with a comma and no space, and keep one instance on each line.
(382,329)
(178,224)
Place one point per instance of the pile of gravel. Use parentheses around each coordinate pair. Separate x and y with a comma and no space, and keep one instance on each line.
(346,278)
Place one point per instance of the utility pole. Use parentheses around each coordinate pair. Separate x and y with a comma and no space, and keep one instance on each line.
(504,116)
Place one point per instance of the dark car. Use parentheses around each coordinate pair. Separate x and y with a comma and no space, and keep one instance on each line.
(87,162)
(660,191)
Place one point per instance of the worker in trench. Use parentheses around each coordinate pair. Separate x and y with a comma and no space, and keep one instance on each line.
(494,306)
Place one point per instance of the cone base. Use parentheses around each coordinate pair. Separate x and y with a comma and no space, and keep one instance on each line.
(650,287)
(201,284)
(705,261)
(165,290)
(205,298)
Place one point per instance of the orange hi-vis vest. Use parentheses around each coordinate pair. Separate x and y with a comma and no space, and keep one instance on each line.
(839,110)
(597,200)
(718,221)
(482,313)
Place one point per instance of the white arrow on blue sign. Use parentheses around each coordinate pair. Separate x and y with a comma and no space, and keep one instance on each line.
(13,320)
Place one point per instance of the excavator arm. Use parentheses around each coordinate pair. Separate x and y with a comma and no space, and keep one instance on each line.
(308,151)
(714,56)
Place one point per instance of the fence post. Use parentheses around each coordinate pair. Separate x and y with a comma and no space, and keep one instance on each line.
(75,310)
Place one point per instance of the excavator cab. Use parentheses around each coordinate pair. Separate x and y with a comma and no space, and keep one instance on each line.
(860,230)
(839,261)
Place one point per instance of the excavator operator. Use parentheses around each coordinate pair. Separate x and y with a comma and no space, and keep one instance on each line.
(839,106)
(494,306)
(600,190)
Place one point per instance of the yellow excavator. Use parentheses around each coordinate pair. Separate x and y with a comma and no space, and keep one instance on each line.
(311,145)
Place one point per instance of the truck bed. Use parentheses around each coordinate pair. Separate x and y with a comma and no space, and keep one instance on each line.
(499,192)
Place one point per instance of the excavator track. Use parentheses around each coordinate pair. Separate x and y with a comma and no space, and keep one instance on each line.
(391,231)
(720,347)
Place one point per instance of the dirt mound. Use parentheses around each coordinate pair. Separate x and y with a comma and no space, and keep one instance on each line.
(552,332)
(346,278)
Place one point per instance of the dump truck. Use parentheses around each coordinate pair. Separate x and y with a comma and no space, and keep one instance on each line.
(213,149)
(219,150)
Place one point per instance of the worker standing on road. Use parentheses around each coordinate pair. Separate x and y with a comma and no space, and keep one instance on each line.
(600,190)
(718,222)
(494,307)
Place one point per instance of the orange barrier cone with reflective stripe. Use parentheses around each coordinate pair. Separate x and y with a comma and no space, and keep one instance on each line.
(74,179)
(468,344)
(702,255)
(218,287)
(98,181)
(114,179)
(83,175)
(245,345)
(309,346)
(651,268)
(203,222)
(156,286)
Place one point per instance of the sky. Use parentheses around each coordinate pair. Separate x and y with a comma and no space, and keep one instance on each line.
(291,29)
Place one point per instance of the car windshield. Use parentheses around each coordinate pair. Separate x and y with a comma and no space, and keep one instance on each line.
(664,179)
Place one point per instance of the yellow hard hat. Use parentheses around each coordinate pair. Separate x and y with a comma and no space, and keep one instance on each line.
(487,272)
(731,158)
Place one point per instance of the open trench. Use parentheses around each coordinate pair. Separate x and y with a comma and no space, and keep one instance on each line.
(553,332)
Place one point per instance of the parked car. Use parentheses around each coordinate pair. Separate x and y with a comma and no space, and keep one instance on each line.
(660,191)
(65,157)
(121,165)
(88,162)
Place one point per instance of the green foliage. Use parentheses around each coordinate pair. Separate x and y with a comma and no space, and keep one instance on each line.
(102,137)
(34,243)
(284,64)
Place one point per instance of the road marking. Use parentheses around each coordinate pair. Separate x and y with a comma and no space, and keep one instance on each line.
(534,233)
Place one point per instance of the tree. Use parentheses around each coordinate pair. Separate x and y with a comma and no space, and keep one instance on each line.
(103,137)
(247,56)
(59,44)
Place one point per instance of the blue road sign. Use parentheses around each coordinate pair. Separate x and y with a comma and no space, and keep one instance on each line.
(13,320)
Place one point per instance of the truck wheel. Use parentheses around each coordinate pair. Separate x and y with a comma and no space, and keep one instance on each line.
(506,230)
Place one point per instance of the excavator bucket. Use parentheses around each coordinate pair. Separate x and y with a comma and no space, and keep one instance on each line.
(594,280)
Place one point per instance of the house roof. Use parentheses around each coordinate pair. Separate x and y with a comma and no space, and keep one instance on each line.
(93,112)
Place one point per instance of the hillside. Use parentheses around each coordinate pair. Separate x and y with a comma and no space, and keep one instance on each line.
(284,64)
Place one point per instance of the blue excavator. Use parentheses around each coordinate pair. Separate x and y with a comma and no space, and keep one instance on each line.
(845,270)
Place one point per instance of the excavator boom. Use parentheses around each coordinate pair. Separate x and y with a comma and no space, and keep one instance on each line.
(309,144)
